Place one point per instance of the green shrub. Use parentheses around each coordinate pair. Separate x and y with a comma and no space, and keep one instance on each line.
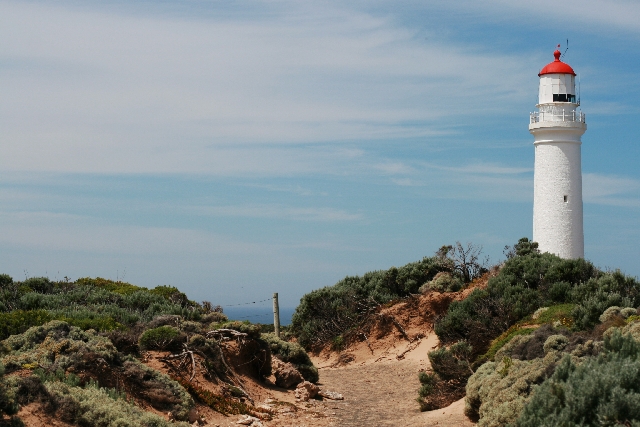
(595,295)
(197,340)
(497,391)
(531,347)
(504,339)
(526,283)
(173,295)
(555,343)
(477,319)
(5,280)
(92,406)
(18,321)
(160,338)
(214,317)
(56,344)
(39,284)
(555,313)
(253,331)
(604,390)
(161,391)
(452,362)
(287,351)
(8,403)
(326,313)
(427,383)
(443,282)
(118,287)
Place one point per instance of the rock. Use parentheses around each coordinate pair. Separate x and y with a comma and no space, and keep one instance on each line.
(268,408)
(193,416)
(306,391)
(249,421)
(287,376)
(331,395)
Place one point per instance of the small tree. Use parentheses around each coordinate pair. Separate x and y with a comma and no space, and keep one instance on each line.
(522,248)
(464,260)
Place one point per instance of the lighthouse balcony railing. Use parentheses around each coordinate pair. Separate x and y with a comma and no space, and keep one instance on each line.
(569,116)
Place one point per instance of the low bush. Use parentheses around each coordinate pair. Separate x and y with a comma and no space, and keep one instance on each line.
(428,382)
(93,406)
(560,313)
(506,337)
(253,331)
(57,345)
(293,353)
(156,388)
(497,391)
(555,343)
(8,402)
(118,287)
(603,390)
(18,321)
(477,319)
(326,313)
(443,282)
(161,338)
(214,317)
(452,362)
(446,384)
(575,291)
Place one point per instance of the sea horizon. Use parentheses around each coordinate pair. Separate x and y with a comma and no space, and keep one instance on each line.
(263,315)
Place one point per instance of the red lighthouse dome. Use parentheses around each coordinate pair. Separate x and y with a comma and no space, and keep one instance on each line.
(557,66)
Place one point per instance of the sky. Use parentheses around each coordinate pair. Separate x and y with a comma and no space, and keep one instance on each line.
(237,149)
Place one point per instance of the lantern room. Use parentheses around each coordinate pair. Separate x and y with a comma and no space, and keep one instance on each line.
(557,82)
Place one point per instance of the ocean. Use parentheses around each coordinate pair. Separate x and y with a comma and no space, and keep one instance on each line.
(262,315)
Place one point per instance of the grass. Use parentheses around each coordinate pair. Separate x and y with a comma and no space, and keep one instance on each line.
(561,313)
(555,313)
(503,339)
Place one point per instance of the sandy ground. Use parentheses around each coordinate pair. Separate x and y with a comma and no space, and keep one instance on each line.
(380,389)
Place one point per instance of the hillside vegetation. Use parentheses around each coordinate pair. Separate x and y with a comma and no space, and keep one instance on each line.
(83,353)
(332,314)
(544,341)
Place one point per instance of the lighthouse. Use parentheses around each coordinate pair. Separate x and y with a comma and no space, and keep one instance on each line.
(557,127)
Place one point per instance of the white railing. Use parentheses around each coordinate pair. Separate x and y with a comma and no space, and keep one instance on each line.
(542,116)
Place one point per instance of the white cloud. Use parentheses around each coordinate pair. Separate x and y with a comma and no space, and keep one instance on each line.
(621,14)
(278,212)
(611,190)
(95,91)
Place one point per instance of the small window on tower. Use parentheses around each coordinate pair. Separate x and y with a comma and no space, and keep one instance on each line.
(563,97)
(566,198)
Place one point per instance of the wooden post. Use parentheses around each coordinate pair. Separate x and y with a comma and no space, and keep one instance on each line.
(276,314)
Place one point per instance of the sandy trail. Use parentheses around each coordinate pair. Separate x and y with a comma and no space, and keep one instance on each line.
(383,394)
(382,391)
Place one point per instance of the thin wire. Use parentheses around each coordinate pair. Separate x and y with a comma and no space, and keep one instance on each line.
(256,315)
(246,303)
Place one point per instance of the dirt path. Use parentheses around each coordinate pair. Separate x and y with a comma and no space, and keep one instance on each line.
(383,394)
(382,391)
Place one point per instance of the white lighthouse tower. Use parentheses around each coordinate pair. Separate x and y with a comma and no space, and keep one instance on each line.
(557,182)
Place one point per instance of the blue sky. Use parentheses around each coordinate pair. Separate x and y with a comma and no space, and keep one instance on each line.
(236,149)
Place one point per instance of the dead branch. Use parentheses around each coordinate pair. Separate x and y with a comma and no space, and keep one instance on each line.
(184,356)
(398,325)
(411,347)
(367,341)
